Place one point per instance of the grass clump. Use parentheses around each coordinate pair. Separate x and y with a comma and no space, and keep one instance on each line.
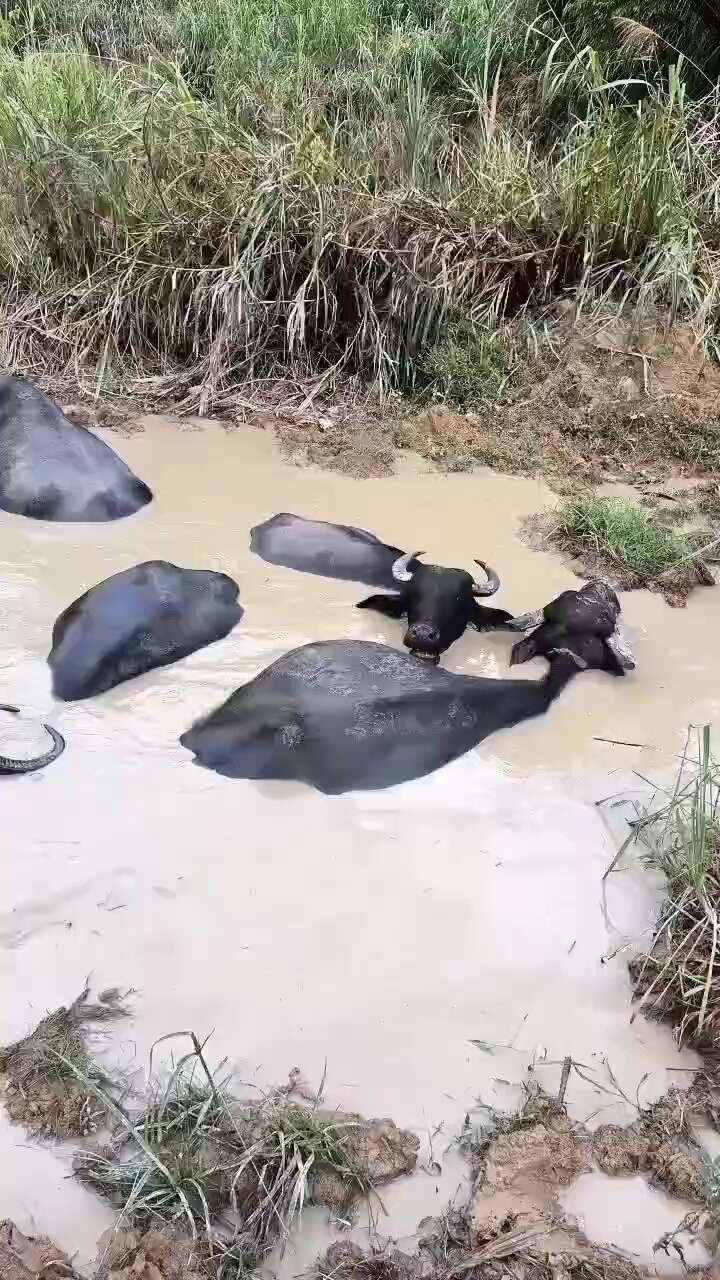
(679,976)
(627,544)
(468,366)
(618,531)
(50,1078)
(196,1152)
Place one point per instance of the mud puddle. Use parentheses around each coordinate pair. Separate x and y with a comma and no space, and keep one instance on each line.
(630,1215)
(378,932)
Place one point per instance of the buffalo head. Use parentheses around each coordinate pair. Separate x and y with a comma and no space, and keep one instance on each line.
(439,604)
(584,622)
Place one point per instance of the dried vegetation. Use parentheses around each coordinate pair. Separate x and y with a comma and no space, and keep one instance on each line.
(50,1079)
(678,977)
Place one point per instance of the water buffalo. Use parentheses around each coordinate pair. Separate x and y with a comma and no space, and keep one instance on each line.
(328,550)
(51,469)
(439,604)
(145,617)
(10,763)
(586,620)
(346,715)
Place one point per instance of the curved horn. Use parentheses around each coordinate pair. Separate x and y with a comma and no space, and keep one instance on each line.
(493,582)
(400,568)
(7,765)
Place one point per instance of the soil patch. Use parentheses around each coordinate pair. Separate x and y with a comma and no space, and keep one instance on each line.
(451,1249)
(28,1257)
(609,404)
(659,1144)
(362,449)
(522,1159)
(166,1254)
(48,1077)
(514,1226)
(599,401)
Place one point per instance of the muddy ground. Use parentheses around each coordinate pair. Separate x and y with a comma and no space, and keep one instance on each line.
(511,1227)
(596,400)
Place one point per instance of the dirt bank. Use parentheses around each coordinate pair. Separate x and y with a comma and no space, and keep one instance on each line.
(597,400)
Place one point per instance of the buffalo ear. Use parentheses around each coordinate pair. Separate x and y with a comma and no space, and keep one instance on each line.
(391,606)
(484,619)
(524,650)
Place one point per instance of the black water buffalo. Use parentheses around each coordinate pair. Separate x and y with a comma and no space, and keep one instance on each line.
(586,620)
(439,604)
(328,550)
(12,764)
(346,715)
(51,469)
(145,617)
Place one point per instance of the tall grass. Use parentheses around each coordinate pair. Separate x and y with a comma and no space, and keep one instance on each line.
(680,975)
(203,192)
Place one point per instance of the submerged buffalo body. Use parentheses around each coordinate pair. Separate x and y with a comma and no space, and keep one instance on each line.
(51,469)
(146,617)
(329,550)
(347,715)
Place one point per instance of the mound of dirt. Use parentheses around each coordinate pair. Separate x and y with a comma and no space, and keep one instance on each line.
(450,1252)
(41,1073)
(523,1159)
(347,1261)
(643,1149)
(376,1152)
(553,1153)
(166,1254)
(41,1083)
(61,1109)
(520,1173)
(28,1257)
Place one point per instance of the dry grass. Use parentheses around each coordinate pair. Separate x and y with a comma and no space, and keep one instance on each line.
(679,976)
(42,1073)
(195,1152)
(204,194)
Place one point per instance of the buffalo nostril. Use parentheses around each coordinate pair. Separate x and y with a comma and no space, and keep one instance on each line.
(422,636)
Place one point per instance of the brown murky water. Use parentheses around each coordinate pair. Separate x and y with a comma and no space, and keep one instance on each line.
(379,933)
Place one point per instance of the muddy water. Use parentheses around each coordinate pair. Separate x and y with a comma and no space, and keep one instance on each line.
(630,1215)
(379,933)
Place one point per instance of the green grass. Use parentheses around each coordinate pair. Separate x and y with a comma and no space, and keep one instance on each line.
(679,832)
(195,1152)
(621,534)
(42,1072)
(197,193)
